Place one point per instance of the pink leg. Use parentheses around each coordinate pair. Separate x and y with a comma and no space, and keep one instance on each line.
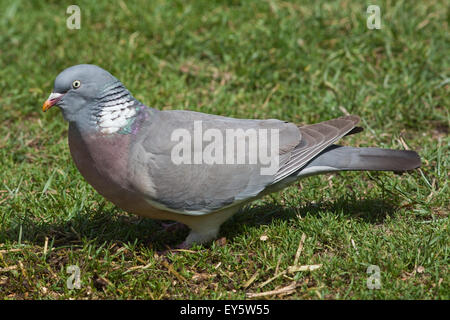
(173,227)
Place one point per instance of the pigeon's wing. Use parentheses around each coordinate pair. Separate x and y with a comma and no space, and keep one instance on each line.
(315,138)
(197,186)
(202,186)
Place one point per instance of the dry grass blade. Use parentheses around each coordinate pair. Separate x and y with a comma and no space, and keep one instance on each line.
(184,250)
(45,245)
(10,250)
(251,280)
(9,268)
(300,249)
(354,246)
(273,278)
(310,267)
(285,290)
(269,96)
(172,270)
(139,268)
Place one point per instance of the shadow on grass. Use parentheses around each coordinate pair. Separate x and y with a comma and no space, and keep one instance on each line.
(372,211)
(114,226)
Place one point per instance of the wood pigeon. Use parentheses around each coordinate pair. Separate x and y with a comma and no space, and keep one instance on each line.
(195,168)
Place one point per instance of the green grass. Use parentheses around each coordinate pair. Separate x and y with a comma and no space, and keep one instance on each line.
(302,62)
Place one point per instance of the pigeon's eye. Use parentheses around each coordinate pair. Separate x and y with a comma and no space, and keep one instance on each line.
(76,84)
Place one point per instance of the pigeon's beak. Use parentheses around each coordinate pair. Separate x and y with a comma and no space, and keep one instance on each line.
(52,100)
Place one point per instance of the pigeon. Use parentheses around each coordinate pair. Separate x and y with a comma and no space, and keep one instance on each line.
(194,168)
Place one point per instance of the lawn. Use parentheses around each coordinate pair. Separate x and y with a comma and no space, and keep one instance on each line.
(302,62)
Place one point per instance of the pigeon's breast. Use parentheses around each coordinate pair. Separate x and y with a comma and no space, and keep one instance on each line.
(102,159)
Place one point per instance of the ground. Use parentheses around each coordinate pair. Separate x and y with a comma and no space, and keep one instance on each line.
(301,62)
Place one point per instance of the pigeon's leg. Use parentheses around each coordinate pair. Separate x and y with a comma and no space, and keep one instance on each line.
(195,237)
(205,228)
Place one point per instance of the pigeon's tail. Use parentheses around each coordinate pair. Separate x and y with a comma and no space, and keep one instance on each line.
(338,158)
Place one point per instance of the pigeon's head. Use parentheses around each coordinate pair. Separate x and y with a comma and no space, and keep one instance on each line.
(82,91)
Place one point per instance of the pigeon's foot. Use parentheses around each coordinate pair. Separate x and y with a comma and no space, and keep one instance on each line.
(173,227)
(191,239)
(186,244)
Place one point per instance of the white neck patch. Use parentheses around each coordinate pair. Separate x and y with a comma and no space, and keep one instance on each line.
(115,116)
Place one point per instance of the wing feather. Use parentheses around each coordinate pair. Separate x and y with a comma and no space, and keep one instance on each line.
(315,138)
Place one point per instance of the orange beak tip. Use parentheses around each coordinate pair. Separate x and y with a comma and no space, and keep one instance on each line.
(52,100)
(47,105)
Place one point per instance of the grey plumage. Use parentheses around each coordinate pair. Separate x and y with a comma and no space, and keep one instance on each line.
(124,150)
(339,158)
(200,188)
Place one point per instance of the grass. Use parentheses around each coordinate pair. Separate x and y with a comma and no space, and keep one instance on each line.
(301,62)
